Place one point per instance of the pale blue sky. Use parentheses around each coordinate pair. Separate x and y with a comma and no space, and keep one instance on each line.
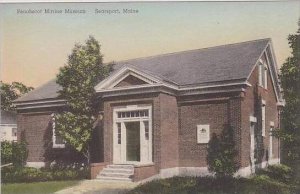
(34,46)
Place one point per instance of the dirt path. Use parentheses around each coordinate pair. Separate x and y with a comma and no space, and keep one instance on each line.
(98,187)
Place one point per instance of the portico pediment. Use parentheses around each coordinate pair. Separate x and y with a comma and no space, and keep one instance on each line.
(127,77)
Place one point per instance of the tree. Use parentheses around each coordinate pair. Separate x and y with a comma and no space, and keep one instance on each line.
(10,92)
(221,156)
(78,78)
(290,81)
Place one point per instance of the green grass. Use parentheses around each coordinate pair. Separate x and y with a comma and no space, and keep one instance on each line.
(209,185)
(35,188)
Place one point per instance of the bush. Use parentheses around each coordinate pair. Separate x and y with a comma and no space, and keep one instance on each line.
(213,185)
(13,152)
(11,174)
(222,153)
(6,152)
(19,154)
(278,172)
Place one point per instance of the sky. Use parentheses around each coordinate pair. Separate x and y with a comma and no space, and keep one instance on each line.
(35,45)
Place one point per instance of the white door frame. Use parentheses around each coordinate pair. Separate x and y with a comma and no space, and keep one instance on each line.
(119,148)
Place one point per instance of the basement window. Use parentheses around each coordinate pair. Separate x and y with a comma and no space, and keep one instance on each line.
(57,140)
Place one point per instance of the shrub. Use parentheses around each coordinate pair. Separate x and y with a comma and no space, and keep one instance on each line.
(13,152)
(213,185)
(19,154)
(6,152)
(278,172)
(222,153)
(12,174)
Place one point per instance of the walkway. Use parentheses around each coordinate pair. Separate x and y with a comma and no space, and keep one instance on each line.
(98,187)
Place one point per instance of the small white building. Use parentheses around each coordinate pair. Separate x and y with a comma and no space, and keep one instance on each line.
(8,126)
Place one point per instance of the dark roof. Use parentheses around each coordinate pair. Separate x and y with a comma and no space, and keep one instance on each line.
(47,91)
(8,117)
(207,65)
(221,63)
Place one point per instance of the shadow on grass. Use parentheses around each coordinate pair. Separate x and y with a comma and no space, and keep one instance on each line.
(209,185)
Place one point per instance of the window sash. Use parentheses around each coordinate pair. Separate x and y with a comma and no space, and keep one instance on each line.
(57,140)
(263,118)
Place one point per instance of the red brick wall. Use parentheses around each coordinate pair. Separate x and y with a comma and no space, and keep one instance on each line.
(248,109)
(169,131)
(165,127)
(143,172)
(192,154)
(36,130)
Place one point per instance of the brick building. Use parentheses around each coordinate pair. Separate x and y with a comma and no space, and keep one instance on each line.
(157,113)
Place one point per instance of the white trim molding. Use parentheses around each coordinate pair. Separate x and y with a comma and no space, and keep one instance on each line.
(55,145)
(132,113)
(154,84)
(252,119)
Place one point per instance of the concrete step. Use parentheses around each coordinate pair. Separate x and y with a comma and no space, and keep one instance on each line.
(121,166)
(117,173)
(117,170)
(120,175)
(114,179)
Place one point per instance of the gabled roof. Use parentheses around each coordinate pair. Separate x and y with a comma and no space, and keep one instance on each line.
(214,64)
(201,67)
(8,117)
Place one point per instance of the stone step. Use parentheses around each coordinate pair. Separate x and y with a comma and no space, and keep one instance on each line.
(121,166)
(117,170)
(102,178)
(119,175)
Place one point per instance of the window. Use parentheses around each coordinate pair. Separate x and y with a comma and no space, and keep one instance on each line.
(119,133)
(260,65)
(133,114)
(146,123)
(57,140)
(202,133)
(265,76)
(14,132)
(262,74)
(263,118)
(271,141)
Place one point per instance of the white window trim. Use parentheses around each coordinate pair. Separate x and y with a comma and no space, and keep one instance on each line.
(55,145)
(260,64)
(266,76)
(263,118)
(262,74)
(252,119)
(203,141)
(271,140)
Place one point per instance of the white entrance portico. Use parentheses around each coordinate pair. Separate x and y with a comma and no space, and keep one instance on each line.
(132,135)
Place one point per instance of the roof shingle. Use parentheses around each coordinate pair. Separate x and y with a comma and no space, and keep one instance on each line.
(207,65)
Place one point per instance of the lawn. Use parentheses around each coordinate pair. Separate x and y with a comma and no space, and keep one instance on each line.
(209,185)
(35,188)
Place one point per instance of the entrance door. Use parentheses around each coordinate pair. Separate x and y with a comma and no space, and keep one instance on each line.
(132,135)
(133,145)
